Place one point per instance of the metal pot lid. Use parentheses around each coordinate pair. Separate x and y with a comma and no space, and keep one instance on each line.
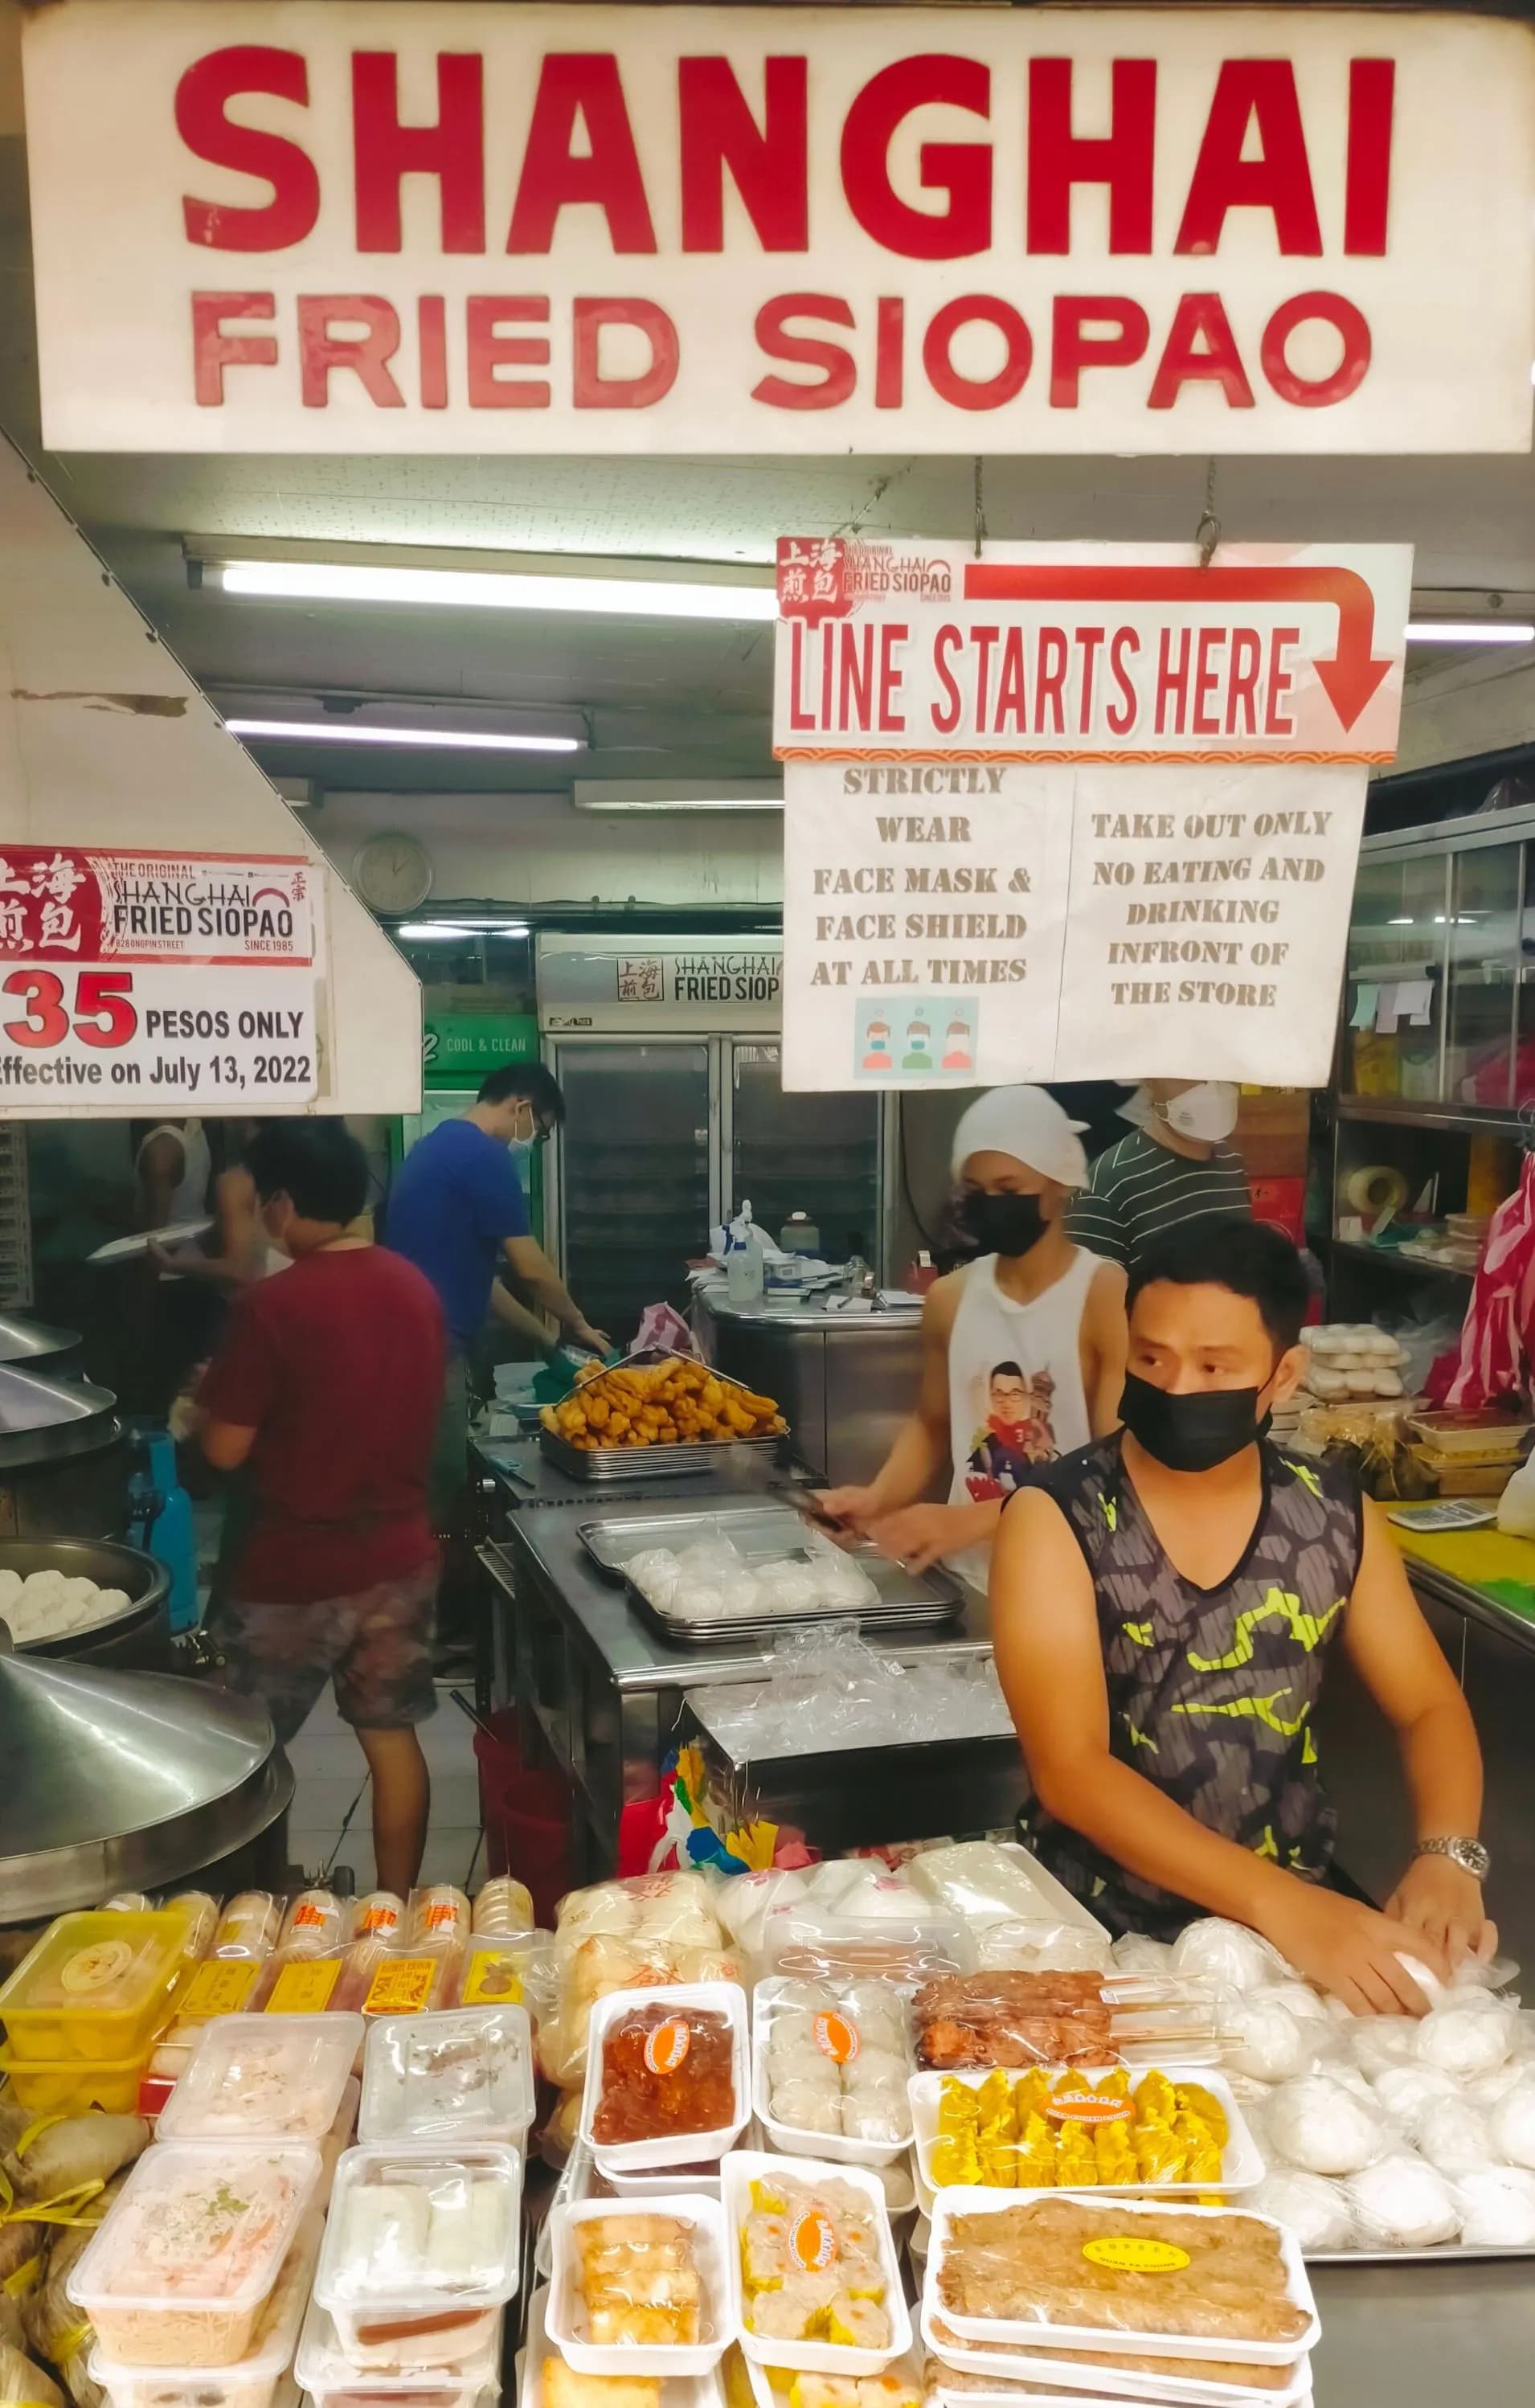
(112,1774)
(43,1417)
(25,1341)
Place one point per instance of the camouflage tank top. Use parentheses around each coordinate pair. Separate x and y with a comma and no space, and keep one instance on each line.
(1212,1691)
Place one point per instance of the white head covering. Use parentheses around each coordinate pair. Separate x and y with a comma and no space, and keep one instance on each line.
(1026,1124)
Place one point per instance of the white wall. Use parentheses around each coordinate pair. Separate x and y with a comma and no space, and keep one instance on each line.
(538,849)
(1483,703)
(106,740)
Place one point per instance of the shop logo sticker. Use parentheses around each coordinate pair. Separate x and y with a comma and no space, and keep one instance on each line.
(1085,2107)
(812,2241)
(1122,2254)
(401,1986)
(378,1918)
(308,1916)
(96,1968)
(667,2046)
(442,1915)
(836,2038)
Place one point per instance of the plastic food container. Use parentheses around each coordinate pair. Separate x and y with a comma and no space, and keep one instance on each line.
(567,2321)
(1028,2335)
(333,2380)
(744,2168)
(467,2073)
(67,2086)
(1241,2161)
(420,2249)
(772,2387)
(95,1986)
(186,2260)
(253,2381)
(1074,2376)
(722,2001)
(860,2030)
(255,2077)
(677,2390)
(338,2139)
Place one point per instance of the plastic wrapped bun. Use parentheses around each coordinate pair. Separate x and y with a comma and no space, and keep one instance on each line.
(1402,2203)
(1462,2039)
(1325,2129)
(1426,1979)
(1487,2089)
(1379,2042)
(1454,2138)
(1316,2211)
(1137,1954)
(1407,2092)
(1497,2207)
(1512,2123)
(1048,1947)
(1228,1953)
(1307,2005)
(1260,2037)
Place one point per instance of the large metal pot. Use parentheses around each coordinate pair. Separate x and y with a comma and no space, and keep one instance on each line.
(64,1460)
(137,1640)
(40,1345)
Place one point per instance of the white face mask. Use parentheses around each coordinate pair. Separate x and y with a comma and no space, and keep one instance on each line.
(1207,1113)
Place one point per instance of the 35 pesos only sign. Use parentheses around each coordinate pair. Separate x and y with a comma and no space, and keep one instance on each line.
(132,981)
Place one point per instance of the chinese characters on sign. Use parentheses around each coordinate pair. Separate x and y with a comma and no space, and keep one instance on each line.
(130,981)
(1074,811)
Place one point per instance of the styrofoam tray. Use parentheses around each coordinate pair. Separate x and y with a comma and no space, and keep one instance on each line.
(1242,2160)
(563,2314)
(1030,2337)
(1037,2366)
(677,2390)
(768,2395)
(791,2140)
(674,2149)
(741,2169)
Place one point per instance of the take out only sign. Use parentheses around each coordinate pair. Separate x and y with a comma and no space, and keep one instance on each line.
(1075,811)
(387,227)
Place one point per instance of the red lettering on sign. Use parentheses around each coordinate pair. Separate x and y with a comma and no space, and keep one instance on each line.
(584,85)
(453,150)
(321,350)
(1121,714)
(961,170)
(213,351)
(839,374)
(485,314)
(1246,658)
(1050,678)
(590,389)
(1206,676)
(889,352)
(1367,189)
(1122,159)
(1200,317)
(1281,678)
(202,97)
(1071,349)
(1088,641)
(944,715)
(1171,678)
(1353,327)
(432,346)
(767,163)
(1278,179)
(977,392)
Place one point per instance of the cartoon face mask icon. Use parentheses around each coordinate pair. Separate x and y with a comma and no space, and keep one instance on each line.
(919,1047)
(876,1039)
(956,1047)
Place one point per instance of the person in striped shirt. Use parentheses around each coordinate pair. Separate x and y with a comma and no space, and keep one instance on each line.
(1170,1173)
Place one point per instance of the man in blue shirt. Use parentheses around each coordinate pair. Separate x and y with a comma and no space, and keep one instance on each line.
(458,1211)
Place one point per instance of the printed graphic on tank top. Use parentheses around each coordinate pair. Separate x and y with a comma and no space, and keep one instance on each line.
(1212,1692)
(1016,1398)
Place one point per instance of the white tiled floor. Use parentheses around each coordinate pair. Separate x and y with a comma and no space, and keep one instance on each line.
(330,1823)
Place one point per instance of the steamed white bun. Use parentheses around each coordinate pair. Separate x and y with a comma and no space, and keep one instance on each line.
(1260,2037)
(1322,2127)
(1404,2203)
(1463,2039)
(1454,2138)
(1316,2210)
(1513,2122)
(1407,2092)
(1216,1951)
(1137,1954)
(1497,2207)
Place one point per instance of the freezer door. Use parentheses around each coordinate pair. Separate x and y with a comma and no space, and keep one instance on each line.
(814,1154)
(634,1192)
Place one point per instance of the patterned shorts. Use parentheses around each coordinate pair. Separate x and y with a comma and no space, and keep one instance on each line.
(375,1648)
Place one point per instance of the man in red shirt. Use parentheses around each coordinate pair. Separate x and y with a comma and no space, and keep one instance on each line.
(327,1385)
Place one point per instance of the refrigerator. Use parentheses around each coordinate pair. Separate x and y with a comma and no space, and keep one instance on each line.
(668,1050)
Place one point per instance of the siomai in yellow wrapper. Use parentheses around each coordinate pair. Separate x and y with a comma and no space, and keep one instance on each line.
(996,2155)
(1155,2102)
(1203,2163)
(1076,2162)
(955,2159)
(1159,2152)
(1031,2094)
(958,2107)
(1115,2156)
(1195,2100)
(1113,2086)
(993,2099)
(1036,2152)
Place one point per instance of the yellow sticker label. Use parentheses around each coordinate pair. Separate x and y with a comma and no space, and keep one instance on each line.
(1124,2254)
(305,1990)
(494,1980)
(401,1986)
(1086,2107)
(219,1988)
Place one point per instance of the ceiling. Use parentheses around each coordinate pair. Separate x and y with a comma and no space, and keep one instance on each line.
(684,698)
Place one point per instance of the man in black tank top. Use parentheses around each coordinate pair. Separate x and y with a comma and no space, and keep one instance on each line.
(1164,1605)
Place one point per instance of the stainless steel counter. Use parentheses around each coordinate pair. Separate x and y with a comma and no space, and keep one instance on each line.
(844,1381)
(1422,2336)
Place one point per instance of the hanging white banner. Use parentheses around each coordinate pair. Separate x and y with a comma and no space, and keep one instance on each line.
(1075,811)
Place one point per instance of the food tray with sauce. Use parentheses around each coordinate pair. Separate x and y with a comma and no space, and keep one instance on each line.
(762,1534)
(668,2048)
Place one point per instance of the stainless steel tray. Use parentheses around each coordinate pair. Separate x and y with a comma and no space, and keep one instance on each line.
(618,1467)
(1449,2252)
(908,1601)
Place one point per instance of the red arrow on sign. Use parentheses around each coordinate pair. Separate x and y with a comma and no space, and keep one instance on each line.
(1349,679)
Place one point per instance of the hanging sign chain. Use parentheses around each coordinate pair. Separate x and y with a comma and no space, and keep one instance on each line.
(1207,533)
(979,508)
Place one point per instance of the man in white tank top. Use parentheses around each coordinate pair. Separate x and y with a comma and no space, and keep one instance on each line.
(1022,1350)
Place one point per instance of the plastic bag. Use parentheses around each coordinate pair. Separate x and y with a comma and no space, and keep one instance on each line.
(1014,2019)
(1469,2033)
(1325,2128)
(504,1906)
(627,1935)
(249,1926)
(22,2380)
(89,2148)
(1316,2211)
(1402,2203)
(1496,2207)
(663,1329)
(1040,1947)
(838,2058)
(1229,1952)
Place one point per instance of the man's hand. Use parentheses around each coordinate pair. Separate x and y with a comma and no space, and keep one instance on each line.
(918,1535)
(597,1340)
(854,1507)
(1349,1949)
(1439,1901)
(160,1258)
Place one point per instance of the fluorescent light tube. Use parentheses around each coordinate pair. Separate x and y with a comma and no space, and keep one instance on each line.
(447,739)
(677,794)
(431,931)
(1470,631)
(486,589)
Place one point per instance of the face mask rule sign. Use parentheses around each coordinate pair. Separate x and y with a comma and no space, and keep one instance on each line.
(384,227)
(1075,811)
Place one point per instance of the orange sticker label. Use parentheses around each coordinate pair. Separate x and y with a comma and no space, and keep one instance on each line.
(440,1915)
(494,1978)
(1126,2253)
(1085,2107)
(220,1988)
(309,1915)
(305,1990)
(813,2240)
(401,1986)
(836,2038)
(667,2046)
(378,1918)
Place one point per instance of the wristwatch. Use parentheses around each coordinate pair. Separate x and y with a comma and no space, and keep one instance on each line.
(1469,1855)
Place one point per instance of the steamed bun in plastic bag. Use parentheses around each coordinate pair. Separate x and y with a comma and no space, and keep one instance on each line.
(1316,2211)
(1228,1953)
(1325,2128)
(1134,1953)
(1403,2204)
(1464,2037)
(1513,2122)
(1497,2207)
(1407,2092)
(1454,2138)
(1260,2037)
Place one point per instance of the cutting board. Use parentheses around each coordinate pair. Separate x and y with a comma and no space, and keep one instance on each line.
(1489,1560)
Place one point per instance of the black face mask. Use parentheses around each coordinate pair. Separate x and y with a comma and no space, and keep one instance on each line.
(1003,1225)
(1191,1433)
